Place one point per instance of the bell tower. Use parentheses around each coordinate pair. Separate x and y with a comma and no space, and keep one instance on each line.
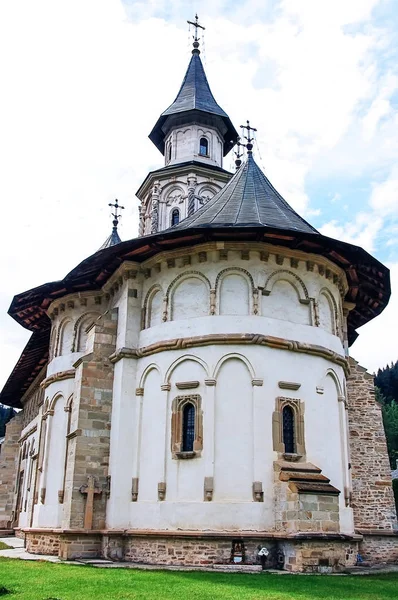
(194,134)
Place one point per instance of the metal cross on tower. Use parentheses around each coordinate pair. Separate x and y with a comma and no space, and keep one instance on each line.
(115,215)
(238,154)
(197,26)
(249,145)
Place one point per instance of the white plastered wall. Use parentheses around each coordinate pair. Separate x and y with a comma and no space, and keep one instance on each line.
(237,415)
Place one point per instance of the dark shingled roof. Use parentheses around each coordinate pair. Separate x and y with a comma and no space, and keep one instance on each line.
(111,240)
(247,200)
(194,97)
(195,92)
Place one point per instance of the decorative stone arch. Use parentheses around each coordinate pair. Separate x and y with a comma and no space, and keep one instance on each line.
(237,270)
(175,283)
(237,356)
(53,343)
(77,330)
(290,277)
(297,407)
(204,188)
(340,388)
(147,304)
(60,334)
(253,298)
(145,373)
(69,403)
(53,402)
(182,359)
(175,188)
(333,308)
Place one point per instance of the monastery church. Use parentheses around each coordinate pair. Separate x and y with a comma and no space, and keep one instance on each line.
(187,395)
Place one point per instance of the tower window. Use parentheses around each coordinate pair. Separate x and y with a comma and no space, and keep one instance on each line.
(170,150)
(188,427)
(288,429)
(175,216)
(203,147)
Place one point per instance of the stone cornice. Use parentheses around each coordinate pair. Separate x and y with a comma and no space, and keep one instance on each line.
(232,338)
(323,264)
(60,376)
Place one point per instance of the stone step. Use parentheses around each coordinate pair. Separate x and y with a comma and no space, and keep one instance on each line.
(7,533)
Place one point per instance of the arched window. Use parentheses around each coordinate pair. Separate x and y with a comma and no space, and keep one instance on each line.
(288,429)
(203,147)
(170,150)
(188,427)
(175,216)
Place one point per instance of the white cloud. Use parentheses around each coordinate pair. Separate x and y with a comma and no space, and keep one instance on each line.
(376,345)
(84,82)
(362,231)
(384,197)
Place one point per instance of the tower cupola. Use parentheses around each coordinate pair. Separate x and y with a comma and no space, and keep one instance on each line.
(194,126)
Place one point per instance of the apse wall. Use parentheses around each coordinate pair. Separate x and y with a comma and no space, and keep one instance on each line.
(235,334)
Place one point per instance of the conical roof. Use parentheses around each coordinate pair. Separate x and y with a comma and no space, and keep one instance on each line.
(111,240)
(195,95)
(247,200)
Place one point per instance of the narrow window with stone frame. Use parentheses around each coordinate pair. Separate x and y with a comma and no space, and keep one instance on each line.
(187,426)
(204,147)
(288,428)
(175,216)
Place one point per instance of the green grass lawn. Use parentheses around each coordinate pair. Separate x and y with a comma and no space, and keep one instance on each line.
(43,581)
(4,546)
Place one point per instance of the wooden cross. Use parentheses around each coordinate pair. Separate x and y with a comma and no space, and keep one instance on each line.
(197,25)
(90,489)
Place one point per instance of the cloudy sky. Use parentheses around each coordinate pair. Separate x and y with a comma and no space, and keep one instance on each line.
(84,81)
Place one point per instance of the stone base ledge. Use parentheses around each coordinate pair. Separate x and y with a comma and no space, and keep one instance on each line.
(167,533)
(379,532)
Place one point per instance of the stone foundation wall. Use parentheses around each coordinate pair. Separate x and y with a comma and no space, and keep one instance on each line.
(372,496)
(313,556)
(297,555)
(80,546)
(377,549)
(43,543)
(9,470)
(181,551)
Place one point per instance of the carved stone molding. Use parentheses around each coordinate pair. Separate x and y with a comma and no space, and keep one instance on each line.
(166,387)
(161,490)
(210,382)
(257,382)
(139,391)
(208,488)
(224,339)
(187,385)
(289,385)
(69,374)
(134,489)
(258,494)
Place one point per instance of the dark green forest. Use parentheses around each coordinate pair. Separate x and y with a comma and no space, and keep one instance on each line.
(5,415)
(387,394)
